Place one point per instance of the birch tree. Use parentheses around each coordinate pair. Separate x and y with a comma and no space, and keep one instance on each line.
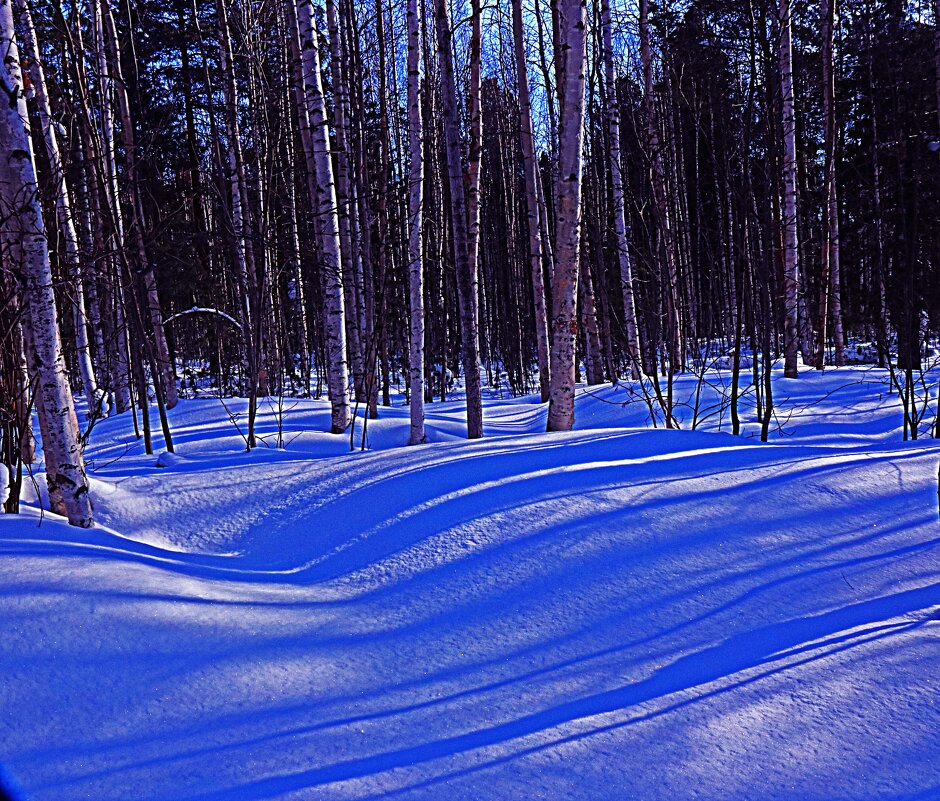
(345,206)
(63,203)
(324,202)
(791,267)
(437,223)
(570,49)
(467,276)
(26,244)
(475,150)
(415,258)
(830,278)
(103,159)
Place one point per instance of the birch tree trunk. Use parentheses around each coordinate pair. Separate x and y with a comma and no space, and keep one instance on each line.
(829,256)
(26,241)
(111,196)
(616,178)
(530,173)
(324,203)
(91,234)
(571,44)
(415,198)
(63,204)
(466,267)
(349,253)
(383,276)
(791,272)
(362,221)
(475,151)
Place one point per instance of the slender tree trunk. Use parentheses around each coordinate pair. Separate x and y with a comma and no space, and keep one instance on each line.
(165,379)
(664,221)
(245,267)
(111,195)
(21,390)
(572,43)
(383,277)
(63,205)
(467,277)
(415,197)
(616,176)
(829,277)
(475,151)
(530,172)
(299,299)
(65,468)
(593,355)
(344,201)
(547,85)
(791,267)
(324,202)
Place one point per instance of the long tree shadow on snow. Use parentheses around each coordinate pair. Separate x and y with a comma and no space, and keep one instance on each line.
(375,503)
(240,741)
(738,653)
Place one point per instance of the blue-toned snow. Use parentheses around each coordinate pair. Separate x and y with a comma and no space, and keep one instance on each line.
(612,613)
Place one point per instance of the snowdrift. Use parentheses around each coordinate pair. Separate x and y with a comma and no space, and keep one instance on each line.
(617,612)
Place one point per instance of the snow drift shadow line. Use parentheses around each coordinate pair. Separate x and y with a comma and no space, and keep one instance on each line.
(280,644)
(738,653)
(851,641)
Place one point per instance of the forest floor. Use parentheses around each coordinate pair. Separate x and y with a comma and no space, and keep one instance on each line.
(613,613)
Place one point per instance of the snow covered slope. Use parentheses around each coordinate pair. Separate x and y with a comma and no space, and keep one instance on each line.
(613,613)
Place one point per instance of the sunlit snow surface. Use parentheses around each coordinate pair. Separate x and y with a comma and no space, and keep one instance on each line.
(613,613)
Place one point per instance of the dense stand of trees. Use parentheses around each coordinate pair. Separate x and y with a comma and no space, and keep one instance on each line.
(339,199)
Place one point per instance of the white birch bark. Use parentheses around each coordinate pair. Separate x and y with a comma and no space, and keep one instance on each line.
(26,235)
(476,134)
(63,204)
(328,222)
(348,253)
(238,190)
(89,225)
(467,276)
(791,273)
(112,196)
(829,256)
(415,256)
(245,265)
(572,44)
(593,353)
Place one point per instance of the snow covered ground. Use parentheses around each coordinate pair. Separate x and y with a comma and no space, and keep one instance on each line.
(613,613)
